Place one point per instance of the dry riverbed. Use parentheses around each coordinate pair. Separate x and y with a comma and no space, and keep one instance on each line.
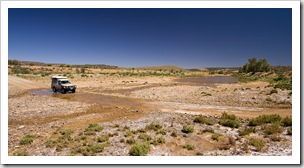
(110,115)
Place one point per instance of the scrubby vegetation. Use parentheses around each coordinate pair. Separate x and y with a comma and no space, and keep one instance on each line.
(264,119)
(27,139)
(140,149)
(229,120)
(188,129)
(257,143)
(216,136)
(247,131)
(93,127)
(188,146)
(203,120)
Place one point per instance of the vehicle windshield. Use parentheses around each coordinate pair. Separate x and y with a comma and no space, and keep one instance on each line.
(65,82)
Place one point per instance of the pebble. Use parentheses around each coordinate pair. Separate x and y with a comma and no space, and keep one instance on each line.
(22,126)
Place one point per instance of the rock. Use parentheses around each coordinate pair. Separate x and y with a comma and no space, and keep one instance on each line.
(22,126)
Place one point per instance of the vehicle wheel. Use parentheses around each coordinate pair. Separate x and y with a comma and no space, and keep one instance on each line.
(54,90)
(73,91)
(63,91)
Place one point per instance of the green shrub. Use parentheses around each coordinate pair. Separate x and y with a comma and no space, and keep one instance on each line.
(141,149)
(93,127)
(89,150)
(188,146)
(283,86)
(188,129)
(103,138)
(272,128)
(159,140)
(66,132)
(264,119)
(257,143)
(216,136)
(153,126)
(273,91)
(230,123)
(27,139)
(161,131)
(203,120)
(128,133)
(144,137)
(174,134)
(246,131)
(116,126)
(287,121)
(50,143)
(20,70)
(228,116)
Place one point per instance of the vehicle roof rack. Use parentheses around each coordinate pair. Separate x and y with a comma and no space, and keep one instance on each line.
(59,77)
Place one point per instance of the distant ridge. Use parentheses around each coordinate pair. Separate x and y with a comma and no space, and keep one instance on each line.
(164,67)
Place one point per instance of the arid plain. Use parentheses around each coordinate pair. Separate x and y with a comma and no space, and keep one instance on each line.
(164,111)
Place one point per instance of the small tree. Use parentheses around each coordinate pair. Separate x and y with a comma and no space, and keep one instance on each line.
(255,65)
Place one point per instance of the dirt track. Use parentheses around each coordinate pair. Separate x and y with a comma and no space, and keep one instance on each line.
(24,84)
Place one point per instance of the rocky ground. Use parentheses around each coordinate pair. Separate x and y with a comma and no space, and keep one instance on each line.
(109,115)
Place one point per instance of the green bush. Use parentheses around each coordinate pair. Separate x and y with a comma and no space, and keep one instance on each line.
(93,127)
(228,116)
(153,126)
(159,140)
(20,70)
(144,137)
(230,123)
(27,139)
(273,91)
(287,121)
(161,131)
(174,134)
(141,149)
(264,119)
(246,131)
(272,129)
(188,146)
(257,143)
(89,150)
(188,129)
(203,120)
(103,138)
(128,133)
(50,143)
(216,136)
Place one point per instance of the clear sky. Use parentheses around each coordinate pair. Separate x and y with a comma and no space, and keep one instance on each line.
(189,38)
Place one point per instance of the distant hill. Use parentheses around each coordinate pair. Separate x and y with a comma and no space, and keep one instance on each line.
(165,67)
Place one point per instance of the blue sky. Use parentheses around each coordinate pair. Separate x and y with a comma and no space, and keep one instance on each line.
(189,38)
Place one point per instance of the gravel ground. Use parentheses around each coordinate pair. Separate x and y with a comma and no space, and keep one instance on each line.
(155,100)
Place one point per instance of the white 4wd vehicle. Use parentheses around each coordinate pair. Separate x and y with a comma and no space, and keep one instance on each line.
(61,83)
